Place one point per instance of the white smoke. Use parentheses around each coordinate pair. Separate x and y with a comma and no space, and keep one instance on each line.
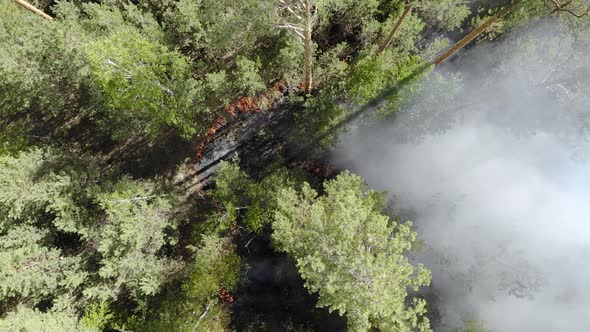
(490,163)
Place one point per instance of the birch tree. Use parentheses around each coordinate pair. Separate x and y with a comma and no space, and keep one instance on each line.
(299,17)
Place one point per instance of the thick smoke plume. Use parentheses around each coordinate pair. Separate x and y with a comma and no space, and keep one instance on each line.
(490,162)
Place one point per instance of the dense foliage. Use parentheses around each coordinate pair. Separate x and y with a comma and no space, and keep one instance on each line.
(90,243)
(351,254)
(69,236)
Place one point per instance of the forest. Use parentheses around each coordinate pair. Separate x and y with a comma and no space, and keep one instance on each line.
(253,165)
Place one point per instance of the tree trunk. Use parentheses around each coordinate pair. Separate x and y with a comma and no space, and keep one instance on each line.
(393,31)
(473,34)
(33,9)
(308,45)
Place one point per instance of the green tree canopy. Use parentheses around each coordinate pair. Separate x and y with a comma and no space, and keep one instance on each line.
(446,14)
(31,270)
(352,255)
(26,319)
(116,231)
(146,87)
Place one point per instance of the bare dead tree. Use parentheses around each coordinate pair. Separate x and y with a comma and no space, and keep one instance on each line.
(476,32)
(396,27)
(34,9)
(298,17)
(569,7)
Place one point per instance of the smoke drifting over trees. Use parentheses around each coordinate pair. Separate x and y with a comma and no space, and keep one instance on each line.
(490,161)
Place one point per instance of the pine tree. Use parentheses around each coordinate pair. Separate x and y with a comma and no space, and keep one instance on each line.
(352,255)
